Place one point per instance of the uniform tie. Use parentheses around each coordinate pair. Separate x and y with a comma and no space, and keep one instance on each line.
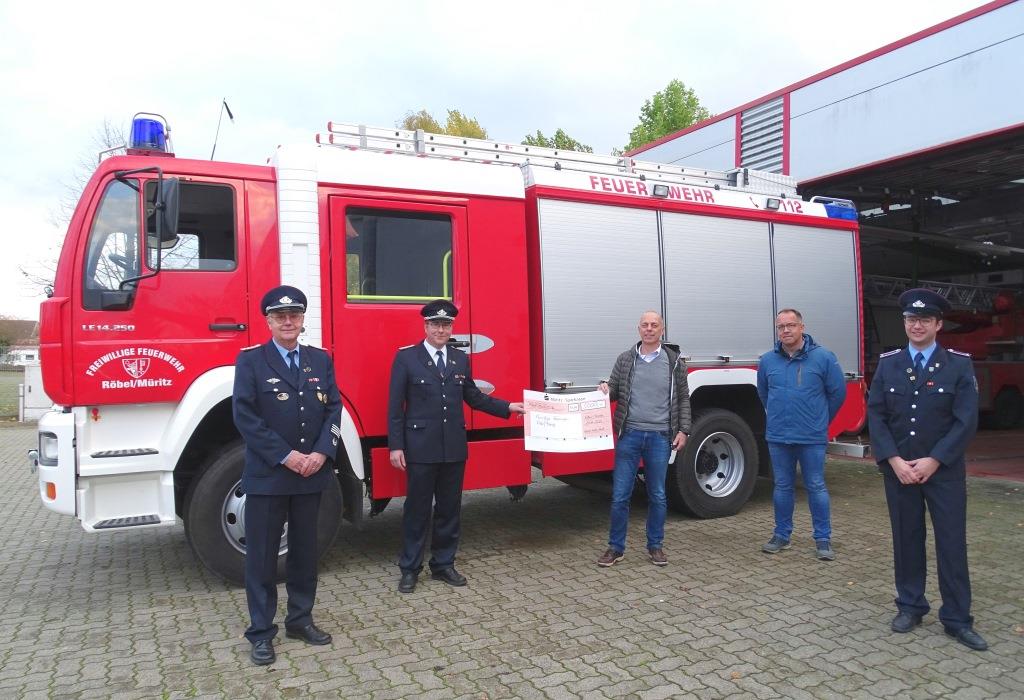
(293,365)
(919,362)
(440,361)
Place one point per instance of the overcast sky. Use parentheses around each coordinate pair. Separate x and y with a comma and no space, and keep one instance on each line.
(286,69)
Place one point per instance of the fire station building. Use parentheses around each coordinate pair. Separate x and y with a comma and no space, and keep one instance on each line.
(926,136)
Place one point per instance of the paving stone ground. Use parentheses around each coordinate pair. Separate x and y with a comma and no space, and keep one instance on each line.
(132,614)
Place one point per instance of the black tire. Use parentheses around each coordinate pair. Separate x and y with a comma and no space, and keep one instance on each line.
(1007,409)
(716,472)
(215,512)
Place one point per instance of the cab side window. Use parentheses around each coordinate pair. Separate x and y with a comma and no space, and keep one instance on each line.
(206,230)
(397,256)
(112,254)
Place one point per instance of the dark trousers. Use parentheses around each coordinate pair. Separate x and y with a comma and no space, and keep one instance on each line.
(946,501)
(434,486)
(265,517)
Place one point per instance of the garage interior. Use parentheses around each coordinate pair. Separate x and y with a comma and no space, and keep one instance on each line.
(950,219)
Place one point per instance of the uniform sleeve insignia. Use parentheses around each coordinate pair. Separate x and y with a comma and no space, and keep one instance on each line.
(891,352)
(957,352)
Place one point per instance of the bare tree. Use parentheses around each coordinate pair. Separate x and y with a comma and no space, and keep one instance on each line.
(39,273)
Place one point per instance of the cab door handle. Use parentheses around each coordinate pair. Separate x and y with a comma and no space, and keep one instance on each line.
(227,326)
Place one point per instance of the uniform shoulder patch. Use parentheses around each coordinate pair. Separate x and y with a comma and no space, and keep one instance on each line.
(251,347)
(958,352)
(891,352)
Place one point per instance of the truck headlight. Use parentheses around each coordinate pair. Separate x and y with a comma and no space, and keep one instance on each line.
(48,449)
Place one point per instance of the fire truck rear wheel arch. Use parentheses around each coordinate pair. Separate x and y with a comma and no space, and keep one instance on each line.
(715,473)
(1007,409)
(214,507)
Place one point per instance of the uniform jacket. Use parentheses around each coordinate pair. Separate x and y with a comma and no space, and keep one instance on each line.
(934,414)
(621,381)
(275,416)
(801,394)
(425,415)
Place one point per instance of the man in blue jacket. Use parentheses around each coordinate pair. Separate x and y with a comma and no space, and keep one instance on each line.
(288,410)
(802,388)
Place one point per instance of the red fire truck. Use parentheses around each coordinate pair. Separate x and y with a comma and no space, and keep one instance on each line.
(985,321)
(550,256)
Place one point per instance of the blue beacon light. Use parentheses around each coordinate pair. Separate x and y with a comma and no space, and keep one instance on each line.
(148,134)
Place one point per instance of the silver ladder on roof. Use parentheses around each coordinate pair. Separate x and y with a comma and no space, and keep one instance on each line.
(422,143)
(960,296)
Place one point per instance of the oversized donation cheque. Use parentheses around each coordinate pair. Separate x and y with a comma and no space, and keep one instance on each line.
(567,422)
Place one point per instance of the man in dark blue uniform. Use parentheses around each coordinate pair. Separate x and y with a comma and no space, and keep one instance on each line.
(427,439)
(288,410)
(922,413)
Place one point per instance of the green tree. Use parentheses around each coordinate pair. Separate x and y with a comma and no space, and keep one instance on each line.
(458,124)
(421,120)
(674,108)
(559,140)
(462,125)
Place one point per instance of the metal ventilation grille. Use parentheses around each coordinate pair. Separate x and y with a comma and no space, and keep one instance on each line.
(761,137)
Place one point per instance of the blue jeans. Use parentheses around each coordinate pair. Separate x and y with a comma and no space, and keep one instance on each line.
(812,467)
(654,448)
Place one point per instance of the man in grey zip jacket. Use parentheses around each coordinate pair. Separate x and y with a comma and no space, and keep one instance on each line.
(652,419)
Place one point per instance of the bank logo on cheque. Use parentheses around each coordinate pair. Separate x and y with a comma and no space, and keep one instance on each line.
(136,362)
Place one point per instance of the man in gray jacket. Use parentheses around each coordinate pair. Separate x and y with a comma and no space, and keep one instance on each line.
(652,419)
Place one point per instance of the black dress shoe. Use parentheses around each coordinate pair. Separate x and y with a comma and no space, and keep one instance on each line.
(408,582)
(310,634)
(449,576)
(904,622)
(969,638)
(263,652)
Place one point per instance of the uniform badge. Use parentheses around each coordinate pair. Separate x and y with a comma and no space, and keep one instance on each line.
(918,304)
(929,383)
(307,370)
(909,370)
(283,396)
(913,378)
(931,369)
(320,397)
(273,380)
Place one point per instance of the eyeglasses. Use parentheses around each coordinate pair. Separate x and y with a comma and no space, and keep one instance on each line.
(918,320)
(787,327)
(439,324)
(284,316)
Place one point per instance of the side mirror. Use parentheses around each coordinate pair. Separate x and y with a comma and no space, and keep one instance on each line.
(171,197)
(116,299)
(166,207)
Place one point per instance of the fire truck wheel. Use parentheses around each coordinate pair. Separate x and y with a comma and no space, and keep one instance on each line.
(214,517)
(1007,409)
(716,472)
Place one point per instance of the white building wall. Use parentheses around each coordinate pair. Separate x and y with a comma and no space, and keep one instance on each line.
(952,85)
(712,147)
(957,83)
